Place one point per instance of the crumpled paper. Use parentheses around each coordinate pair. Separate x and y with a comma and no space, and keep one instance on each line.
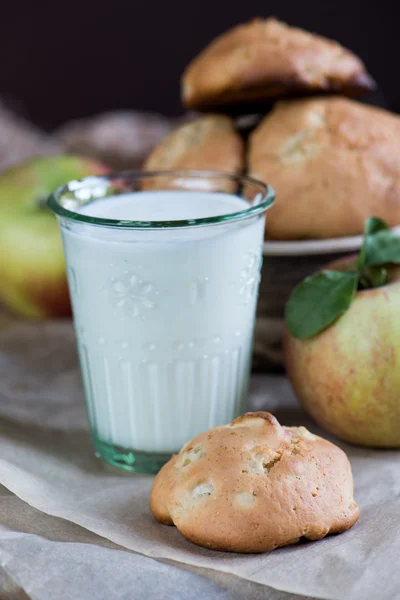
(21,140)
(33,547)
(46,558)
(46,460)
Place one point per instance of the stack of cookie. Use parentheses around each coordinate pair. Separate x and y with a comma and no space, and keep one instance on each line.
(332,161)
(277,104)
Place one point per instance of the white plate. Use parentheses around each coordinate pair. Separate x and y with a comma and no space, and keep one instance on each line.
(307,247)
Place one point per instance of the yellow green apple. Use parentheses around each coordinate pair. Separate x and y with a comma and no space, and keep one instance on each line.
(348,376)
(32,270)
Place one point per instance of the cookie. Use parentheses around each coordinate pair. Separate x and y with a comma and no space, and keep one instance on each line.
(208,142)
(263,60)
(254,485)
(333,162)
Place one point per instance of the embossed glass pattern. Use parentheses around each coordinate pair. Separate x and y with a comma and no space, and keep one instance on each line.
(163,310)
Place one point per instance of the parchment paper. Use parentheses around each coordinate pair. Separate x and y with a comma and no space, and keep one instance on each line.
(46,460)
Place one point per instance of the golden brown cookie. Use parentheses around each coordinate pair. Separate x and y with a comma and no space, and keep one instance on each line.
(254,485)
(332,161)
(209,142)
(266,59)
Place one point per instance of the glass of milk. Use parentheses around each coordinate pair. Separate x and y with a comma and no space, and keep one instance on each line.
(163,272)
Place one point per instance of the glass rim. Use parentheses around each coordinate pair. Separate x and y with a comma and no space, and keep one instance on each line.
(268,198)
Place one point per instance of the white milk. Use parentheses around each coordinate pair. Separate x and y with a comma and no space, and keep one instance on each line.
(164,317)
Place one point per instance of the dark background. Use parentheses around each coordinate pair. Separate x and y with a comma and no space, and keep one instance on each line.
(61,60)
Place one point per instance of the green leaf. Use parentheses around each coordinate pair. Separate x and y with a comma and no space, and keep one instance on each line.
(372,277)
(318,301)
(382,248)
(372,226)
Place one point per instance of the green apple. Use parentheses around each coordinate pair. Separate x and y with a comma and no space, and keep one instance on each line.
(32,270)
(348,376)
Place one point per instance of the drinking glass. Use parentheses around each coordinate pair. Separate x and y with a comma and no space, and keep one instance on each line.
(163,310)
